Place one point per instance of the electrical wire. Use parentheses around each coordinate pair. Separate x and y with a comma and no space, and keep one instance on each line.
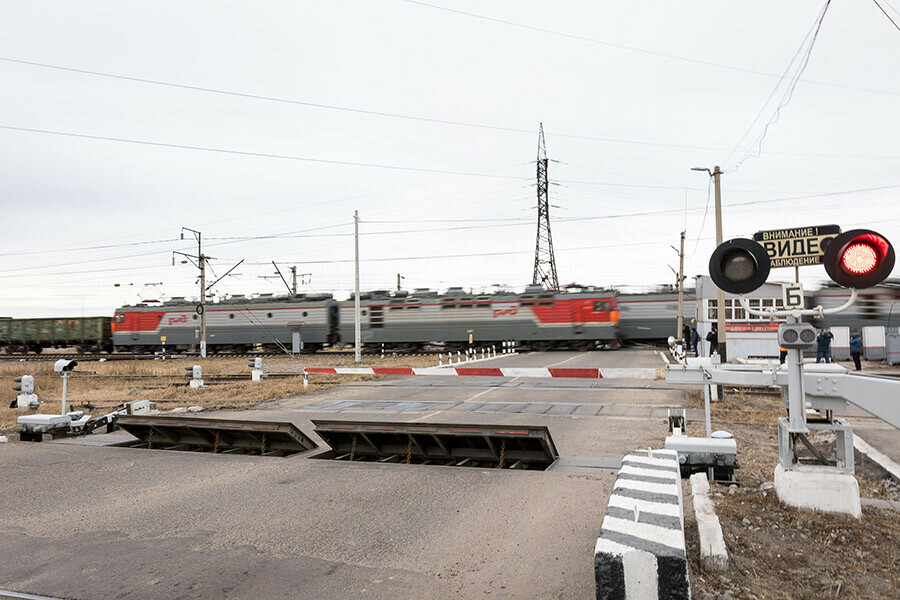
(703,222)
(886,14)
(786,97)
(254,154)
(394,115)
(639,50)
(103,247)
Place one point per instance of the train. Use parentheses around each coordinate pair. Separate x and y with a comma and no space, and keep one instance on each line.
(582,319)
(394,320)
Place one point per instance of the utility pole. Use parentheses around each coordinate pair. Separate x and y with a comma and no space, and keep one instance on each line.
(294,276)
(399,278)
(356,324)
(544,258)
(201,264)
(716,174)
(679,334)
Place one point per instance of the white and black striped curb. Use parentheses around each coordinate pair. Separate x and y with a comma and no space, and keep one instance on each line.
(640,552)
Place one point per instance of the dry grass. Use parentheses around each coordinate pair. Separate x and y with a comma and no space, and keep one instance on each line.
(782,553)
(100,386)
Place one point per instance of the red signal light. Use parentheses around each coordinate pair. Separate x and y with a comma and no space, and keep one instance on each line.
(859,258)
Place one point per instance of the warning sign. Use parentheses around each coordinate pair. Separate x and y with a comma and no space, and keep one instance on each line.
(796,247)
(756,327)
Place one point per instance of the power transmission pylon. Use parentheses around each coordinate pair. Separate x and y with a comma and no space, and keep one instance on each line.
(544,258)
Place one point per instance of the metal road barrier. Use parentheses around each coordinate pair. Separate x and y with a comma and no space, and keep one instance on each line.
(222,436)
(612,373)
(640,553)
(491,446)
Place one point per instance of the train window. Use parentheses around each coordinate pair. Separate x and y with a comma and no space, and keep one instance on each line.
(526,303)
(483,305)
(396,305)
(465,306)
(120,318)
(413,307)
(601,306)
(196,317)
(231,316)
(546,303)
(269,315)
(363,313)
(159,318)
(447,305)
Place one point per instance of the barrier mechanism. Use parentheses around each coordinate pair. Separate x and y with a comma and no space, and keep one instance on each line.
(219,436)
(484,446)
(541,372)
(640,551)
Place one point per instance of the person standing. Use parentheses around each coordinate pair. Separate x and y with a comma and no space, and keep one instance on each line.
(823,346)
(855,349)
(713,338)
(695,340)
(686,336)
(783,352)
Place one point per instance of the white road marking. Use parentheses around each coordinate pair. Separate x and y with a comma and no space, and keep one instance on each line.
(567,360)
(481,393)
(426,416)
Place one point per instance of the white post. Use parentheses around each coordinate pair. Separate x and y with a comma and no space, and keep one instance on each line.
(305,379)
(458,356)
(440,360)
(707,393)
(65,377)
(356,325)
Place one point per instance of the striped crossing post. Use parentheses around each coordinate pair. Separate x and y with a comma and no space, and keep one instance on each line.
(640,553)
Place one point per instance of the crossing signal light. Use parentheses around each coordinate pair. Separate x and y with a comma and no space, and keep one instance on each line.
(859,258)
(739,266)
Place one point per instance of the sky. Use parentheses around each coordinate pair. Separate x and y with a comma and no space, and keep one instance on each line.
(424,120)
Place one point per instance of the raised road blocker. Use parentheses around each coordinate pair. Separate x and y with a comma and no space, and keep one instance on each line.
(640,552)
(484,446)
(221,436)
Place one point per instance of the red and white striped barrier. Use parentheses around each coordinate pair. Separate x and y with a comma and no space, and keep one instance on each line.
(612,373)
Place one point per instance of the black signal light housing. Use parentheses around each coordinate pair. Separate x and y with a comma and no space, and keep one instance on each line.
(859,258)
(739,266)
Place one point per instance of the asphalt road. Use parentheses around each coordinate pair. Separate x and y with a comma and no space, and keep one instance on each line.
(86,521)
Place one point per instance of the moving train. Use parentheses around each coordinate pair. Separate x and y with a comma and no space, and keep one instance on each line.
(537,318)
(399,320)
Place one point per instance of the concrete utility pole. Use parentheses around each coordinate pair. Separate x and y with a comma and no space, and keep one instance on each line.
(679,333)
(399,287)
(294,276)
(356,324)
(201,264)
(716,174)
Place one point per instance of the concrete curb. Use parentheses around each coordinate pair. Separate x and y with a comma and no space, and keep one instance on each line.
(713,553)
(640,551)
(882,460)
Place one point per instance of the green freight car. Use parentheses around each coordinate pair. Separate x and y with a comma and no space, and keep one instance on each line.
(87,334)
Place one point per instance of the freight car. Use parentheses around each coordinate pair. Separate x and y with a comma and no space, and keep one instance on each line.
(537,318)
(86,334)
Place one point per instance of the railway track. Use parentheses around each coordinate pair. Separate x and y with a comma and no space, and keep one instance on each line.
(93,356)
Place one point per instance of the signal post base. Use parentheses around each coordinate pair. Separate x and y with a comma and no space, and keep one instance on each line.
(818,488)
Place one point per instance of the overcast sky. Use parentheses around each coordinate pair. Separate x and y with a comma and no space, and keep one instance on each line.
(625,119)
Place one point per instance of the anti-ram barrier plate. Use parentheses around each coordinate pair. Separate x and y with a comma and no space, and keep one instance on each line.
(223,436)
(495,446)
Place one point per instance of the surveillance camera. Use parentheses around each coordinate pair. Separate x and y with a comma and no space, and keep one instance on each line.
(63,365)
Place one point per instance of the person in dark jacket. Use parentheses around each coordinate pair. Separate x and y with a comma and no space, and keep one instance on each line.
(855,349)
(823,346)
(686,336)
(782,354)
(695,340)
(713,338)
